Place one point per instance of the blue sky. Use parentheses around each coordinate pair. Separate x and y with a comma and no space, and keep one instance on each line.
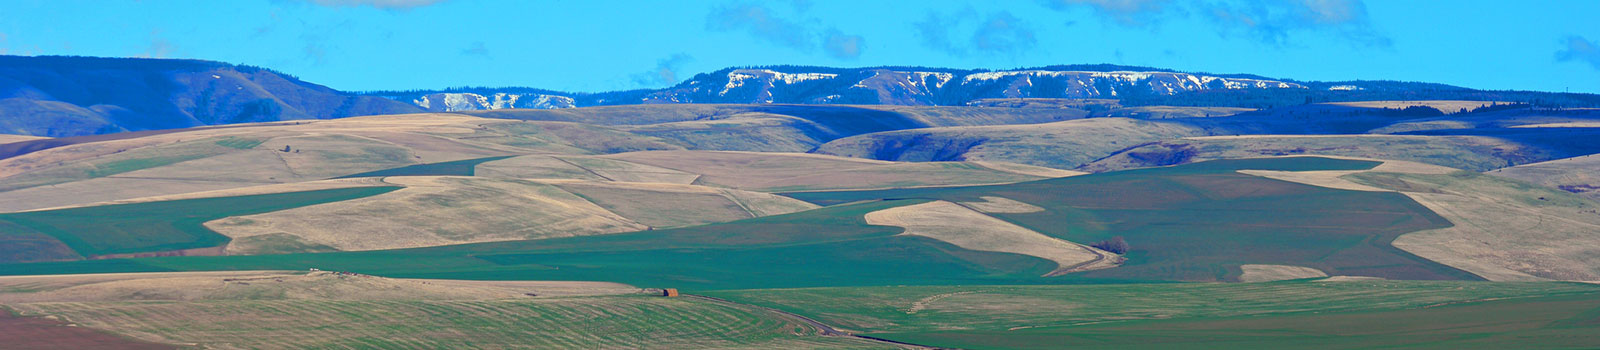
(611,45)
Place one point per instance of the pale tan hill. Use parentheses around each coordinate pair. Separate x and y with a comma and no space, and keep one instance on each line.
(239,191)
(285,152)
(1062,145)
(660,205)
(9,138)
(1579,175)
(1025,169)
(1512,118)
(429,211)
(1447,106)
(593,168)
(778,127)
(969,229)
(1171,112)
(1268,273)
(777,172)
(760,132)
(445,210)
(941,116)
(991,204)
(1504,230)
(1463,152)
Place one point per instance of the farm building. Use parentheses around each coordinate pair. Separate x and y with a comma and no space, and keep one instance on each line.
(669,292)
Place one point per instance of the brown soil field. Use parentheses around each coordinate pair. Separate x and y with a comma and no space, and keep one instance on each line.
(44,333)
(969,229)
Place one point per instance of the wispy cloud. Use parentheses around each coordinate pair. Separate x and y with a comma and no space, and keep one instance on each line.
(1580,49)
(381,4)
(1126,12)
(159,47)
(1271,22)
(841,45)
(799,33)
(665,72)
(1274,21)
(476,49)
(758,21)
(1003,33)
(999,33)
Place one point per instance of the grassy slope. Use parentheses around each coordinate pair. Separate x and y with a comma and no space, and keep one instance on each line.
(1291,314)
(1200,222)
(1574,175)
(572,322)
(1062,145)
(158,226)
(1535,323)
(1462,152)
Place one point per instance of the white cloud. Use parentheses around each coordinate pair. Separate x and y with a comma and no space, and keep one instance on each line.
(664,74)
(1273,22)
(999,33)
(1580,49)
(841,45)
(800,33)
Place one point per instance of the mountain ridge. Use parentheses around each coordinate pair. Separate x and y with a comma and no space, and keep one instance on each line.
(60,96)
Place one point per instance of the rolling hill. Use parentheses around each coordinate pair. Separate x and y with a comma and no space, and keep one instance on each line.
(72,96)
(925,86)
(181,203)
(1197,222)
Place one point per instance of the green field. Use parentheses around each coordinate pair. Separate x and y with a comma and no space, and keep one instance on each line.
(1196,222)
(1291,314)
(1199,222)
(464,167)
(825,247)
(152,226)
(611,322)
